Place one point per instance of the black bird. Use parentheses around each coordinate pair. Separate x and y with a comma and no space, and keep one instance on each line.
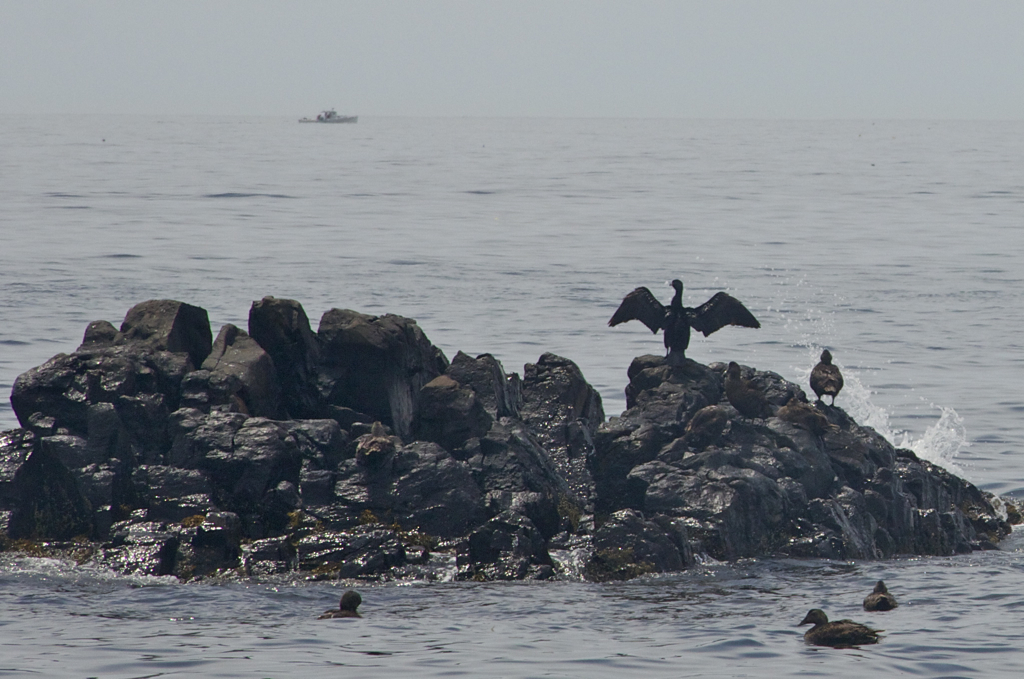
(826,378)
(350,601)
(838,634)
(880,599)
(744,396)
(676,320)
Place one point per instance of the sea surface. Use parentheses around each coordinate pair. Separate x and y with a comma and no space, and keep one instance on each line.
(897,245)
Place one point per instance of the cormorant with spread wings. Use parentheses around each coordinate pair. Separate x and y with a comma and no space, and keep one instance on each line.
(676,320)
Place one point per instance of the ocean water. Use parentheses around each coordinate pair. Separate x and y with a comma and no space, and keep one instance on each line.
(895,244)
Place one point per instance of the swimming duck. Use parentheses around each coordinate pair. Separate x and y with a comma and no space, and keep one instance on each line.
(350,601)
(676,320)
(880,599)
(838,634)
(826,378)
(744,396)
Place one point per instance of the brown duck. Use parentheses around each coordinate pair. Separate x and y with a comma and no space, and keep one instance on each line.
(744,396)
(706,425)
(804,415)
(350,601)
(880,599)
(838,634)
(825,378)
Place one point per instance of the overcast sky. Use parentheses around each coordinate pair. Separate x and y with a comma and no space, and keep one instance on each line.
(715,58)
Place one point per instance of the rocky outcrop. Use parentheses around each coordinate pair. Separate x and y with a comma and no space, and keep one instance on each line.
(359,451)
(800,486)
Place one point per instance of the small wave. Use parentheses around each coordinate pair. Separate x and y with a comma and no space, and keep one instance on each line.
(247,195)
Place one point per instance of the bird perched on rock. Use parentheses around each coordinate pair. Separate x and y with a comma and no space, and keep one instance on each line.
(375,447)
(880,599)
(676,320)
(744,396)
(804,415)
(838,634)
(706,425)
(826,378)
(350,601)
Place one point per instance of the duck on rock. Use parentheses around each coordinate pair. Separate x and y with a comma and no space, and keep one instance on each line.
(826,380)
(744,396)
(676,320)
(838,634)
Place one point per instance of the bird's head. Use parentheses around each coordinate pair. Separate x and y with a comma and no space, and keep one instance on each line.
(815,616)
(826,357)
(350,600)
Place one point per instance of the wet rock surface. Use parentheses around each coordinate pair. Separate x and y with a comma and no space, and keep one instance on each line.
(359,451)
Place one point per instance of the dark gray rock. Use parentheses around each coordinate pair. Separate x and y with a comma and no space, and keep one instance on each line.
(564,413)
(449,414)
(15,447)
(360,552)
(49,503)
(813,484)
(235,354)
(376,365)
(262,455)
(269,556)
(212,547)
(627,546)
(167,325)
(140,548)
(118,398)
(500,395)
(171,493)
(433,492)
(281,327)
(502,549)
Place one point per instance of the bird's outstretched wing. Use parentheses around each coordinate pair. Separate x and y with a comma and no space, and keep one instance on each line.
(719,311)
(640,305)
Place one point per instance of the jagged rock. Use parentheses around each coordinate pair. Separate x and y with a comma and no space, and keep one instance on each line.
(564,412)
(812,484)
(262,454)
(281,327)
(211,547)
(15,447)
(322,442)
(500,395)
(167,325)
(235,354)
(627,546)
(49,503)
(433,492)
(449,413)
(502,549)
(360,552)
(511,467)
(376,365)
(146,548)
(140,385)
(269,556)
(99,334)
(172,493)
(126,438)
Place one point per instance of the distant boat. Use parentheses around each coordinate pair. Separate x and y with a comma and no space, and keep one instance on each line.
(330,116)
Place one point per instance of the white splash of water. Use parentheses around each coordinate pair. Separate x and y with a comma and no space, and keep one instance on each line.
(940,443)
